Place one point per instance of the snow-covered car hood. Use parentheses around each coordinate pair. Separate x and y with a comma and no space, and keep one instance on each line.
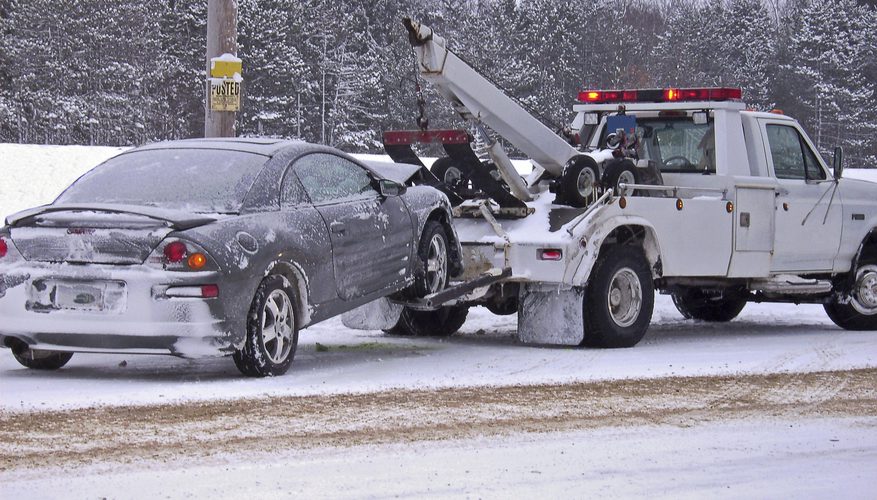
(397,172)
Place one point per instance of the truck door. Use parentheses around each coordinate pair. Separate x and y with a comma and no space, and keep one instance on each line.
(371,235)
(808,212)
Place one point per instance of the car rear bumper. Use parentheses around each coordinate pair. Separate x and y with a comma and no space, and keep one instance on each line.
(142,318)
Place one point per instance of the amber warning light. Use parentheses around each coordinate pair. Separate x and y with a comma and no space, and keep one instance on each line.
(661,95)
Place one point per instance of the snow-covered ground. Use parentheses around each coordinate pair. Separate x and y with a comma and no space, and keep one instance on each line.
(760,457)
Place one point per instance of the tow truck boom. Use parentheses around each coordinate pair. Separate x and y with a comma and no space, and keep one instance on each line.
(478,101)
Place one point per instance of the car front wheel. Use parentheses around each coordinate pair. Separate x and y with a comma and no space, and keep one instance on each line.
(272,335)
(442,322)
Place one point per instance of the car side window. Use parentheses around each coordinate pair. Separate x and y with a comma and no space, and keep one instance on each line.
(327,177)
(292,193)
(792,157)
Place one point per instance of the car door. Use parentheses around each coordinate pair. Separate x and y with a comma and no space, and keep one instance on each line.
(371,235)
(808,212)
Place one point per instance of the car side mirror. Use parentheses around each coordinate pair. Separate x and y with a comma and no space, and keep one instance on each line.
(390,188)
(838,162)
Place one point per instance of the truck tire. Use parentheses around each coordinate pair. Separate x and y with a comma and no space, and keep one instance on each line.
(619,299)
(619,172)
(435,260)
(693,303)
(579,182)
(860,313)
(442,322)
(272,332)
(37,359)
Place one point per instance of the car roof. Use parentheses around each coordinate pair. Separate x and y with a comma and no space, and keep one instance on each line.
(260,146)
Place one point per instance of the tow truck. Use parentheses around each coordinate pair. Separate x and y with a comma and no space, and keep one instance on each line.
(683,191)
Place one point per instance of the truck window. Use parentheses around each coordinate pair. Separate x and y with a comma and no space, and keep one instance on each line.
(792,157)
(677,144)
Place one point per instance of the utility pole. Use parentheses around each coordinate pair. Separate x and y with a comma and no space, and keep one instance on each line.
(222,38)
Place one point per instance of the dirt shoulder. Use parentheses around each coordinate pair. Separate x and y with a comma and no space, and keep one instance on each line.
(166,432)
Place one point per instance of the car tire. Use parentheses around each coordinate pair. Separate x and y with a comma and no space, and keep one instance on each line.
(38,359)
(860,313)
(434,260)
(442,322)
(272,332)
(505,307)
(617,172)
(693,303)
(619,299)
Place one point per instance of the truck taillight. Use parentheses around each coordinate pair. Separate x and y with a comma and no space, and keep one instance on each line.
(4,248)
(550,254)
(661,95)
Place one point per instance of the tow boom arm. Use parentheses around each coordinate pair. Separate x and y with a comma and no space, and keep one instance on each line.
(478,100)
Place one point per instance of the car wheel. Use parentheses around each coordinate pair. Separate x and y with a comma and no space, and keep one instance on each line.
(860,313)
(272,334)
(38,359)
(434,260)
(504,307)
(442,322)
(693,303)
(619,172)
(619,299)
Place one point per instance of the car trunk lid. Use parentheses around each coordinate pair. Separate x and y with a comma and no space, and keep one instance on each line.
(81,236)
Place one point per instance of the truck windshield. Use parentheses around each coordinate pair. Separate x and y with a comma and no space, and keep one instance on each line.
(195,180)
(677,144)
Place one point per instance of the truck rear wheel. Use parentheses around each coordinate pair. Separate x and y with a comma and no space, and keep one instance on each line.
(860,313)
(693,303)
(619,299)
(442,322)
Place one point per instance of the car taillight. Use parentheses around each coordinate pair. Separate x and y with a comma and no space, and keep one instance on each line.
(175,252)
(196,261)
(181,255)
(4,248)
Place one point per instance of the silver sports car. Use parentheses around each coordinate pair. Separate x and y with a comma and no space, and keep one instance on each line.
(216,247)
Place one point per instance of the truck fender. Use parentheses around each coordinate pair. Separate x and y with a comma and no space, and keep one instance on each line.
(595,242)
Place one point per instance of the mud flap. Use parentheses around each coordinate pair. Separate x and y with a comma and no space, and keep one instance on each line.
(547,315)
(378,314)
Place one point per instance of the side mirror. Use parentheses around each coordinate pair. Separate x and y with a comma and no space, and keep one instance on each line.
(838,163)
(390,188)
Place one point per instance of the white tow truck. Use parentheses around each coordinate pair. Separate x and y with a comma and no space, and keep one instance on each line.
(683,191)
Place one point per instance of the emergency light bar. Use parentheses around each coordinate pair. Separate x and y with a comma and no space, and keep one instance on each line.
(660,95)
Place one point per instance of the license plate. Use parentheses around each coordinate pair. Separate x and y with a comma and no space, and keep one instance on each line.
(94,296)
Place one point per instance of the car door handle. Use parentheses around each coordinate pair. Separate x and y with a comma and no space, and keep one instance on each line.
(782,192)
(337,227)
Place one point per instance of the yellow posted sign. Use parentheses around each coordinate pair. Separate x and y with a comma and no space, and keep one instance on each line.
(225,94)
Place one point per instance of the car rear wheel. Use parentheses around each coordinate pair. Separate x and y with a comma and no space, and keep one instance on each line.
(442,322)
(37,359)
(619,299)
(272,334)
(694,303)
(860,313)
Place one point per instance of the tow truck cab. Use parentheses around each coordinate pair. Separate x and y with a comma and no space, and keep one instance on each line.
(789,214)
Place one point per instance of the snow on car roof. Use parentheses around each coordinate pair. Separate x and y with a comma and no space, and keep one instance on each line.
(265,147)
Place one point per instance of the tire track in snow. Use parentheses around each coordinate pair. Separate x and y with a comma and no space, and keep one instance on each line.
(71,438)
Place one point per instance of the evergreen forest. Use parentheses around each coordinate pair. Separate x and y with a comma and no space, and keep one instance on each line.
(340,72)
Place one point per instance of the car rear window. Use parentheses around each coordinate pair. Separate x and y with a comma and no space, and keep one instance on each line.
(195,180)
